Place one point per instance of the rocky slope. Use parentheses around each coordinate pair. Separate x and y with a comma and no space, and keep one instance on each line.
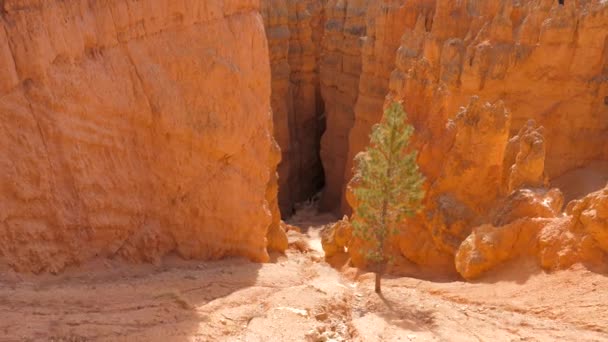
(134,129)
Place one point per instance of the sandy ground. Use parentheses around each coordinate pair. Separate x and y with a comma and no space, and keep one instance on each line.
(297,297)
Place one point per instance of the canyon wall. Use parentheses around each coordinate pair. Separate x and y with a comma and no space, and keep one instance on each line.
(505,97)
(545,61)
(294,29)
(386,23)
(340,71)
(134,129)
(540,60)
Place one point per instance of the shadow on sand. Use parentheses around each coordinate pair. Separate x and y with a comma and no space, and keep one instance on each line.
(114,301)
(405,316)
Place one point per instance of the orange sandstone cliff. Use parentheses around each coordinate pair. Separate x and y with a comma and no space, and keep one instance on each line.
(140,128)
(505,97)
(134,129)
(340,71)
(294,30)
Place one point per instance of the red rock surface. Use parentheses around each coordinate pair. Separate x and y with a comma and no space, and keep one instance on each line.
(133,129)
(294,30)
(537,73)
(545,61)
(470,225)
(556,241)
(340,69)
(386,23)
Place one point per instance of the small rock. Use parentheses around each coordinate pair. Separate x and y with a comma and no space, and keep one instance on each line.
(321,316)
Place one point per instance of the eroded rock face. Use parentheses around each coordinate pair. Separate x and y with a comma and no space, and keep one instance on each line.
(294,30)
(592,211)
(498,51)
(340,69)
(555,240)
(336,238)
(386,22)
(133,129)
(528,166)
(532,55)
(469,222)
(488,166)
(276,23)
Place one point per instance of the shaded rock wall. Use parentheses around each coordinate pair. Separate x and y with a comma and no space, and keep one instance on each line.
(133,128)
(294,29)
(276,23)
(340,70)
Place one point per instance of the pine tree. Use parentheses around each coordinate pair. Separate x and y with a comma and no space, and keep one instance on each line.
(388,186)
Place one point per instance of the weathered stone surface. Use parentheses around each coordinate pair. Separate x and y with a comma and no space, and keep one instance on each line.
(340,69)
(386,22)
(544,61)
(592,212)
(528,167)
(471,173)
(555,240)
(526,203)
(133,128)
(276,238)
(488,246)
(276,23)
(294,29)
(484,168)
(306,24)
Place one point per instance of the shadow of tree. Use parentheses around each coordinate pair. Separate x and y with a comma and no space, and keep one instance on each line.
(405,316)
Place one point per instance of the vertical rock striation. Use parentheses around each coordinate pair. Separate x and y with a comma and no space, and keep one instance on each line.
(340,71)
(306,27)
(133,128)
(294,29)
(276,22)
(545,61)
(386,22)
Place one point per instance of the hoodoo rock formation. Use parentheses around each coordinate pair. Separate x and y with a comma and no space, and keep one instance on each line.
(545,61)
(386,23)
(133,129)
(530,77)
(475,217)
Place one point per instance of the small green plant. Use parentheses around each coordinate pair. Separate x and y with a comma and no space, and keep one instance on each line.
(388,187)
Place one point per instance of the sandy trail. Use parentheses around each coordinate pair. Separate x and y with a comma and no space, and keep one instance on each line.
(297,298)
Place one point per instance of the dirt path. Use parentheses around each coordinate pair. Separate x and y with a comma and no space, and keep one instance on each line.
(296,298)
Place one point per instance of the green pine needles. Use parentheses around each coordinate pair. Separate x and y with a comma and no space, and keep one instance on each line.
(389,185)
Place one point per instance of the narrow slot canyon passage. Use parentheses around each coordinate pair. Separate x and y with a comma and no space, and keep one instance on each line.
(315,49)
(294,31)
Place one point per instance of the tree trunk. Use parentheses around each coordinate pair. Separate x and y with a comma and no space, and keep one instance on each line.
(378,279)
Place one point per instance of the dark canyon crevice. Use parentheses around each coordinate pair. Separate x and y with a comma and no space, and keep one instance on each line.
(336,64)
(294,30)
